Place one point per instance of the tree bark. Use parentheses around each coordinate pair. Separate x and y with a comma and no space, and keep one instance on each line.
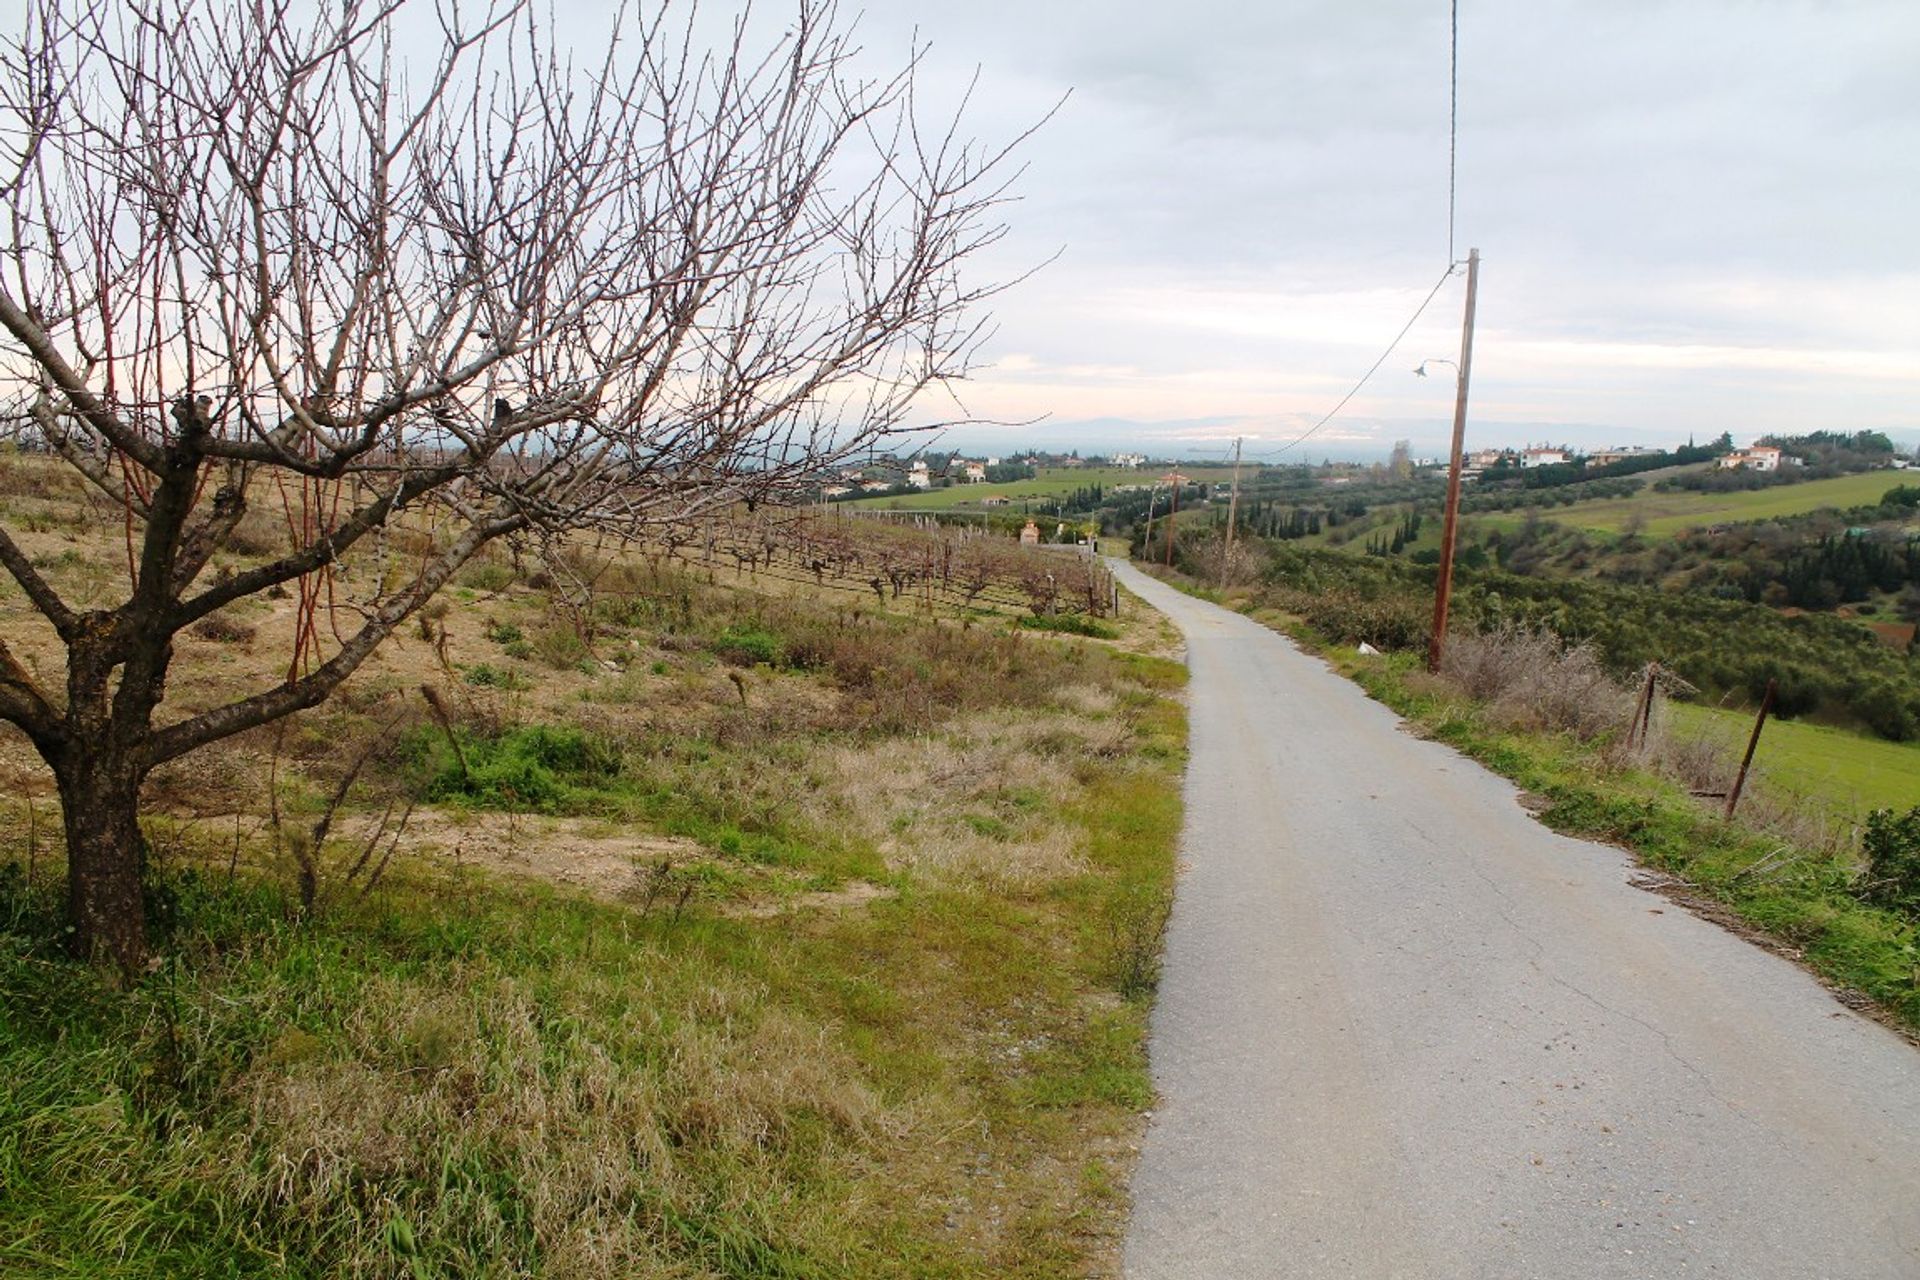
(106,855)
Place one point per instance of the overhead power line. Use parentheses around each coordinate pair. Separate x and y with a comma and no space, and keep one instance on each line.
(1453,119)
(1366,377)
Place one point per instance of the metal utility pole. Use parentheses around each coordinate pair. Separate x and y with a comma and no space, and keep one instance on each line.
(1146,545)
(1443,591)
(1233,504)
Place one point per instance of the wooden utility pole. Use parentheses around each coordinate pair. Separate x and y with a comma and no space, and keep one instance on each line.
(1173,515)
(1233,504)
(1443,589)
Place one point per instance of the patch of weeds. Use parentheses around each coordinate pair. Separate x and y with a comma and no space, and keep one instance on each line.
(561,646)
(1075,624)
(488,576)
(1136,928)
(535,767)
(493,678)
(749,645)
(989,826)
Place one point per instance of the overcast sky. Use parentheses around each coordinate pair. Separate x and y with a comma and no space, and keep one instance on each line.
(1694,216)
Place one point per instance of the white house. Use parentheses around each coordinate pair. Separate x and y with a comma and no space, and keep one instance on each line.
(976,473)
(1762,457)
(918,476)
(1543,457)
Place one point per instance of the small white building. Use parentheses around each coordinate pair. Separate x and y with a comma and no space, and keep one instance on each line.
(976,473)
(1543,457)
(918,476)
(1762,457)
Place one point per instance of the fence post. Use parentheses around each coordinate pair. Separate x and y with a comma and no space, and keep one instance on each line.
(1760,722)
(1643,711)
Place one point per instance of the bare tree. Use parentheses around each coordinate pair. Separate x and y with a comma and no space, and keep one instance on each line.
(481,293)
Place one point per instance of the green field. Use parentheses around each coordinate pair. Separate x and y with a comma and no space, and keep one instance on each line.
(1842,772)
(1669,513)
(1051,482)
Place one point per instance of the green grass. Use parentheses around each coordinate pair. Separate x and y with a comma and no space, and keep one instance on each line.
(463,1075)
(467,1077)
(1049,483)
(1669,513)
(1842,773)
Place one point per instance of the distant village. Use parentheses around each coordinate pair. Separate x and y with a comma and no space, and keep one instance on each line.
(940,471)
(904,476)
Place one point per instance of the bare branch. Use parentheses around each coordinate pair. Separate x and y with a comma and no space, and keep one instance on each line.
(38,589)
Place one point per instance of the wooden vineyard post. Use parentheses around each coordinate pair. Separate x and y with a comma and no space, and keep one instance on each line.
(1759,723)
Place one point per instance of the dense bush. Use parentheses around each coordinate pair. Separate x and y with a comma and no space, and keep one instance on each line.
(535,767)
(1892,847)
(749,645)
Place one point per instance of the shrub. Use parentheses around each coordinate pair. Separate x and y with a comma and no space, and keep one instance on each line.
(1536,680)
(749,645)
(1892,847)
(534,767)
(486,575)
(557,643)
(1385,622)
(493,678)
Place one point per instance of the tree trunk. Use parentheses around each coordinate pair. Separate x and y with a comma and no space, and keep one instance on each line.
(100,802)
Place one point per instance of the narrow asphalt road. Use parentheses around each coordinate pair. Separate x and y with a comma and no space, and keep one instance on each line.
(1406,1031)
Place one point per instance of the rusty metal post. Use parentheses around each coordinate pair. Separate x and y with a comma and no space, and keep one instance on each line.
(1760,722)
(1443,589)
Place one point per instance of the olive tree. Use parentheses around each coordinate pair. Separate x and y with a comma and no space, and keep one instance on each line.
(422,269)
